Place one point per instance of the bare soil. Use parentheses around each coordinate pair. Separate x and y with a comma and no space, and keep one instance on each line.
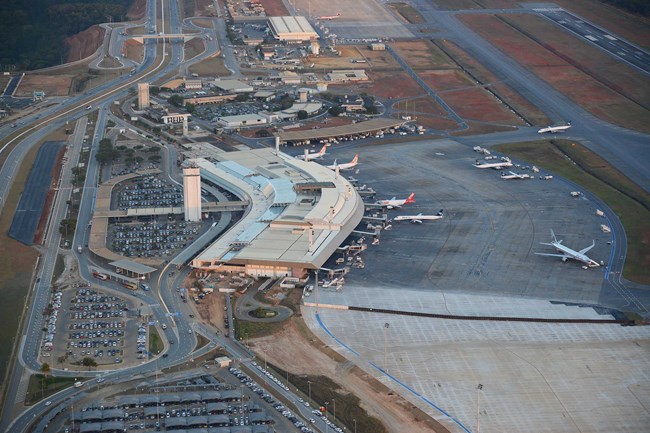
(193,48)
(205,8)
(210,67)
(85,43)
(423,55)
(425,104)
(407,12)
(274,8)
(133,50)
(482,128)
(393,85)
(109,62)
(53,85)
(298,351)
(477,104)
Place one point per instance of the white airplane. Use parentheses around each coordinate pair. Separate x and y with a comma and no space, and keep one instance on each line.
(345,166)
(514,175)
(568,253)
(419,218)
(395,203)
(314,155)
(329,17)
(494,165)
(555,129)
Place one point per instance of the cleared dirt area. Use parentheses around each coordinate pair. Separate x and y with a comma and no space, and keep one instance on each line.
(205,8)
(375,60)
(479,73)
(193,48)
(53,85)
(85,43)
(393,85)
(589,59)
(481,128)
(295,349)
(210,67)
(446,79)
(566,78)
(424,105)
(422,55)
(274,8)
(133,50)
(109,62)
(206,24)
(477,104)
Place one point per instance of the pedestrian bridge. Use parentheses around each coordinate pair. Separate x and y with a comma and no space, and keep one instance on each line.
(168,36)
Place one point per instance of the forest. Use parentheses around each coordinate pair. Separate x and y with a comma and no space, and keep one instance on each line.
(33,31)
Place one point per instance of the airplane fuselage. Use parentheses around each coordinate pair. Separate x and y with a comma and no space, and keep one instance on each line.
(572,254)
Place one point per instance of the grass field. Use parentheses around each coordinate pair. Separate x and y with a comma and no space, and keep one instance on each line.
(210,67)
(201,341)
(155,342)
(407,12)
(40,387)
(626,199)
(584,89)
(193,48)
(245,330)
(348,406)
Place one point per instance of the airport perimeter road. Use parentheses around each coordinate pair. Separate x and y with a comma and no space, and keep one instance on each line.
(628,151)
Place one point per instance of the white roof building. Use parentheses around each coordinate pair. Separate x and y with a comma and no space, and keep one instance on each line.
(234,86)
(292,29)
(300,213)
(242,120)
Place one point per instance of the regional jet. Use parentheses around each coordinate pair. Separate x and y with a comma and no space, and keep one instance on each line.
(310,156)
(345,166)
(555,129)
(419,218)
(513,175)
(494,165)
(395,203)
(329,17)
(568,253)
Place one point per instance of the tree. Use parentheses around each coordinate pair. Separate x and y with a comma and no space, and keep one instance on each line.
(176,100)
(286,102)
(302,115)
(88,362)
(335,110)
(45,369)
(191,108)
(263,133)
(242,97)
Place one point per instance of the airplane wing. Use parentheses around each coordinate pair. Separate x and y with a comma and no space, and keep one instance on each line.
(562,256)
(584,250)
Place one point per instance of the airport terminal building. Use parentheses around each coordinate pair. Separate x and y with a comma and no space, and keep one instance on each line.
(299,213)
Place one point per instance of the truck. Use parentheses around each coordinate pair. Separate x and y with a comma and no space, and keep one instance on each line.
(80,249)
(78,384)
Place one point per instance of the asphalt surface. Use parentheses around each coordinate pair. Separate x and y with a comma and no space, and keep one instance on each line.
(30,207)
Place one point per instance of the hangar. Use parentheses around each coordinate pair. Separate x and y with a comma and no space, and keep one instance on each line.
(292,29)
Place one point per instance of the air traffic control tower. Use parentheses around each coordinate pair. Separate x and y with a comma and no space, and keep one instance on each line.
(192,193)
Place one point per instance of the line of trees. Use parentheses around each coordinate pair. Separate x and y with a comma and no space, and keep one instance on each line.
(33,31)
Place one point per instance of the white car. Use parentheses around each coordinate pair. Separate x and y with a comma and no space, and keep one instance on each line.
(47,403)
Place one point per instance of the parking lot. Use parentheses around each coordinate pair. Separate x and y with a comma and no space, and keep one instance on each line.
(148,192)
(98,326)
(153,238)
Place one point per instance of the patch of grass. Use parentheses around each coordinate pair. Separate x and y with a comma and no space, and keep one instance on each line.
(41,387)
(155,342)
(212,66)
(630,203)
(263,313)
(201,341)
(348,406)
(244,329)
(59,267)
(407,12)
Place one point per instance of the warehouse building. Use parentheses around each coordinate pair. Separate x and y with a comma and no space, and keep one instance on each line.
(292,29)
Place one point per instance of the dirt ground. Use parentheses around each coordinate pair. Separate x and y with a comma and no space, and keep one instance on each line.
(210,67)
(393,85)
(566,78)
(274,8)
(423,55)
(290,349)
(109,62)
(193,48)
(425,105)
(204,8)
(53,85)
(477,104)
(83,44)
(133,50)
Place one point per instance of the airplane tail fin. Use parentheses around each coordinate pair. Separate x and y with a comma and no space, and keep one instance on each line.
(410,199)
(553,236)
(322,151)
(441,213)
(355,159)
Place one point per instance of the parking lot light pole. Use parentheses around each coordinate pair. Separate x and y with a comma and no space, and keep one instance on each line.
(386,325)
(478,408)
(355,425)
(309,385)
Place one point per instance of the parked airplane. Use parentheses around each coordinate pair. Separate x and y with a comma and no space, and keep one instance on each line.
(329,17)
(555,129)
(419,218)
(314,155)
(345,166)
(395,203)
(568,253)
(514,175)
(495,165)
